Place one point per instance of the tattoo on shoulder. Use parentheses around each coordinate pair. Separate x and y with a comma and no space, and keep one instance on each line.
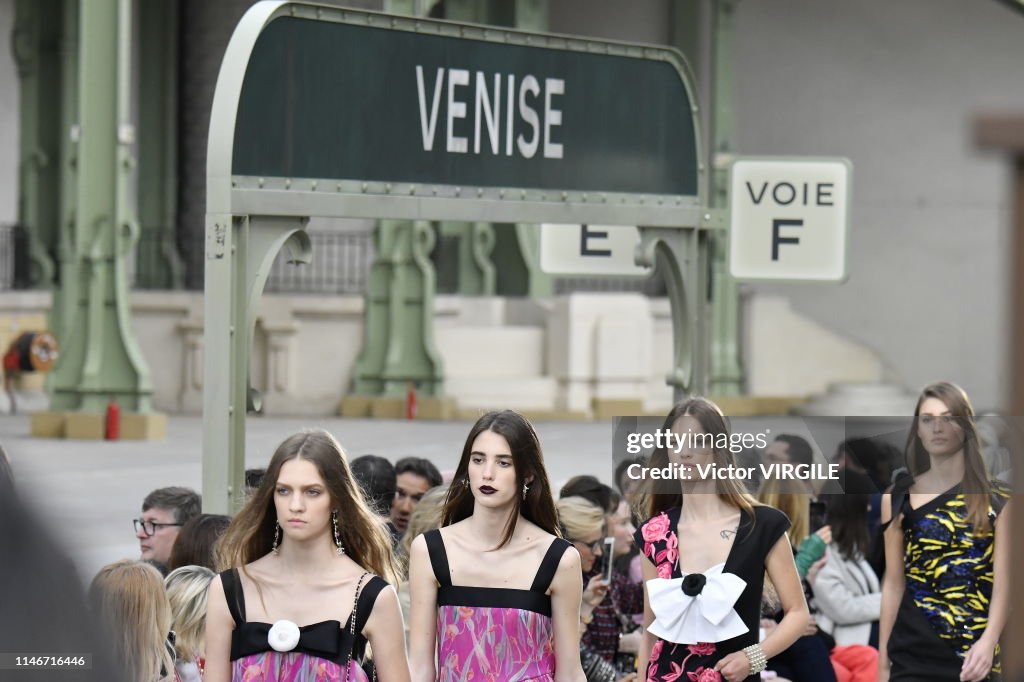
(728,532)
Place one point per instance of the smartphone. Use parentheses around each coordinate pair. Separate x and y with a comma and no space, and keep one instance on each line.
(609,559)
(819,515)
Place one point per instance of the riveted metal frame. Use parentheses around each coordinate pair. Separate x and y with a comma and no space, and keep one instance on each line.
(236,203)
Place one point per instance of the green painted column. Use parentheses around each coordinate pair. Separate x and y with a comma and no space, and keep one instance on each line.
(36,47)
(101,360)
(158,264)
(726,372)
(399,317)
(398,320)
(64,306)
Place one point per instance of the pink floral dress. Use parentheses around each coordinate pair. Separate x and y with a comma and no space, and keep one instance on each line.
(323,651)
(659,544)
(494,634)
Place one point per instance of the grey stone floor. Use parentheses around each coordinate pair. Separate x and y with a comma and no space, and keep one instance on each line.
(89,491)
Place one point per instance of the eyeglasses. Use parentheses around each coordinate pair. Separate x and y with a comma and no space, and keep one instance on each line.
(594,546)
(151,527)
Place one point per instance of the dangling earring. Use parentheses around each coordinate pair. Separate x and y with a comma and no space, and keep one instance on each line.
(337,537)
(526,489)
(277,537)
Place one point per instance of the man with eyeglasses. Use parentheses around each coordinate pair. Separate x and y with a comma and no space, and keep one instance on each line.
(164,512)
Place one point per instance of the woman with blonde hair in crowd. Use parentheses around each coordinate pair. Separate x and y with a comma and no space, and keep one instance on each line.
(425,517)
(305,594)
(706,537)
(187,588)
(945,593)
(128,598)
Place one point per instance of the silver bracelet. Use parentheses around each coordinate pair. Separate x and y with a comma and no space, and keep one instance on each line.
(755,654)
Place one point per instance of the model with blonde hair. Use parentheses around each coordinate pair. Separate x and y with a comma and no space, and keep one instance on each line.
(710,533)
(305,591)
(187,588)
(945,594)
(129,600)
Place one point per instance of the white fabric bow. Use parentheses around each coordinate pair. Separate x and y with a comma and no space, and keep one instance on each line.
(707,616)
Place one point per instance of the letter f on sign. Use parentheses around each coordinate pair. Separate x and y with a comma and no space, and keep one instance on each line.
(777,224)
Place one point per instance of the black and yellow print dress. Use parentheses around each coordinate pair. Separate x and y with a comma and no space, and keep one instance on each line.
(949,576)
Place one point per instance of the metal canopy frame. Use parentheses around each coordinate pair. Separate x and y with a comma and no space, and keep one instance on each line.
(250,219)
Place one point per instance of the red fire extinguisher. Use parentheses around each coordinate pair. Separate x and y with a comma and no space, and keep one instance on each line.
(410,402)
(113,420)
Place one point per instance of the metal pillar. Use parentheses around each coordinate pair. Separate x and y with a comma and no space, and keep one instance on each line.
(398,341)
(726,365)
(36,43)
(158,264)
(681,256)
(231,322)
(101,360)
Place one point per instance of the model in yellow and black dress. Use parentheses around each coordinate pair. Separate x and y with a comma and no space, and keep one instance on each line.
(944,599)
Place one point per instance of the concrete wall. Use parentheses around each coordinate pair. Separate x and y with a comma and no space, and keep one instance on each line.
(895,87)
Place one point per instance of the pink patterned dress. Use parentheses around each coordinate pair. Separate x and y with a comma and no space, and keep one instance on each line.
(323,651)
(494,634)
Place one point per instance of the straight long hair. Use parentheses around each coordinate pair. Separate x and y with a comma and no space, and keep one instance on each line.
(538,507)
(129,600)
(366,540)
(774,492)
(715,424)
(976,485)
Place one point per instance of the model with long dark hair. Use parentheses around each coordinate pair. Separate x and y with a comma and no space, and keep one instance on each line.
(710,534)
(305,588)
(944,595)
(496,591)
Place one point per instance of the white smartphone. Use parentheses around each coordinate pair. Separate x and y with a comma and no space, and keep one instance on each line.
(609,559)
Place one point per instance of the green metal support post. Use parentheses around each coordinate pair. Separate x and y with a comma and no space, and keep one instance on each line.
(36,46)
(101,360)
(398,340)
(726,377)
(158,264)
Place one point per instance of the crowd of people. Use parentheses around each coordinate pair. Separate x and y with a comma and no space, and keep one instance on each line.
(357,570)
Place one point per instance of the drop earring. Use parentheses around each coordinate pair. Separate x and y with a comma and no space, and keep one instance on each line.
(277,537)
(526,489)
(337,537)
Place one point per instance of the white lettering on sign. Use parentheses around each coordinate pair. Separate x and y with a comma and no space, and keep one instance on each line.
(525,102)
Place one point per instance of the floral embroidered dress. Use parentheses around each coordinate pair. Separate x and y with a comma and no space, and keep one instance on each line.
(323,649)
(659,543)
(494,634)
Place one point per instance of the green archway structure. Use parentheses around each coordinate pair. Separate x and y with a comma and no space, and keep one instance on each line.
(323,111)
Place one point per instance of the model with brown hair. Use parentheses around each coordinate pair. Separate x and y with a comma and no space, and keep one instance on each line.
(496,592)
(305,590)
(707,546)
(944,594)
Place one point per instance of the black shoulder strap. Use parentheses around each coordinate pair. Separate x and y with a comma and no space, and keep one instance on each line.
(899,495)
(234,595)
(548,566)
(367,598)
(438,557)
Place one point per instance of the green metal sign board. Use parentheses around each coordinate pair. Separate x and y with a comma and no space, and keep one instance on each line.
(337,108)
(348,101)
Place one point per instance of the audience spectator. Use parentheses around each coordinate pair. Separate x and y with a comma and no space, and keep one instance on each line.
(414,476)
(187,588)
(376,478)
(197,541)
(129,600)
(164,512)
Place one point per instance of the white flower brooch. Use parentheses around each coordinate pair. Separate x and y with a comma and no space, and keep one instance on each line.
(283,635)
